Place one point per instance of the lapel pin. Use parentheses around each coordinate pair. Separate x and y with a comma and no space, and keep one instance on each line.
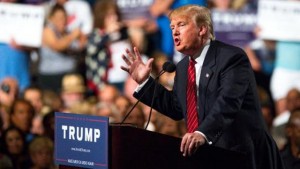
(207,75)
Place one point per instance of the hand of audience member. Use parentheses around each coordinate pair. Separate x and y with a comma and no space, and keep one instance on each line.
(14,44)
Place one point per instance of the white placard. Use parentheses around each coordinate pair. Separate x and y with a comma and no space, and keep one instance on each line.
(23,23)
(279,20)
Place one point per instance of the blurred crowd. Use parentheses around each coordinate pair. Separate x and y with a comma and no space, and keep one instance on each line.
(77,70)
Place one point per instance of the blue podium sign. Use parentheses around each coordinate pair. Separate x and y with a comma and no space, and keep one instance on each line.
(81,140)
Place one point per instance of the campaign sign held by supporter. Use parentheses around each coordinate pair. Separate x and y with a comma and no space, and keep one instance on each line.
(81,140)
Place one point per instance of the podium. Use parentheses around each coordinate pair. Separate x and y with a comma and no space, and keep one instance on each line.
(134,148)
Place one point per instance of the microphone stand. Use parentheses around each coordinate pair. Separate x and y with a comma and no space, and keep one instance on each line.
(129,112)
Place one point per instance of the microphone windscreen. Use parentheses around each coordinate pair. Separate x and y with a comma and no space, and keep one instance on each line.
(169,67)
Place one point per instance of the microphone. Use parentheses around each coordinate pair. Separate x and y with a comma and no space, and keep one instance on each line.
(167,67)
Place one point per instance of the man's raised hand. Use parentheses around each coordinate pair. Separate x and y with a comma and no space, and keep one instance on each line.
(135,66)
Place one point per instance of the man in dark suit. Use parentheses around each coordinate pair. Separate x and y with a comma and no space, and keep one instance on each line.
(214,90)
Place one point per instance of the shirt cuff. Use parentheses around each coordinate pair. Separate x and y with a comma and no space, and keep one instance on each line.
(139,87)
(199,132)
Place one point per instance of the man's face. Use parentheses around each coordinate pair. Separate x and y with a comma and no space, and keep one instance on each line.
(185,34)
(35,98)
(22,116)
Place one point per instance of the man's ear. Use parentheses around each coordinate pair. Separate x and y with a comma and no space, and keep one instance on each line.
(202,30)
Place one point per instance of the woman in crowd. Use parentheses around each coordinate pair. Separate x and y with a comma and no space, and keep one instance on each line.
(14,146)
(58,50)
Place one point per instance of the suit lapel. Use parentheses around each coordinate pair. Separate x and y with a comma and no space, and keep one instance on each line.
(206,74)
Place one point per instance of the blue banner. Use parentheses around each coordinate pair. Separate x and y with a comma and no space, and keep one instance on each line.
(234,27)
(81,140)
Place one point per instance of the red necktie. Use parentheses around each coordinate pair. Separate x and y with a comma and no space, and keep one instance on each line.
(191,99)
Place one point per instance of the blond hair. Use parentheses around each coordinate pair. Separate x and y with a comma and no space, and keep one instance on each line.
(200,14)
(41,143)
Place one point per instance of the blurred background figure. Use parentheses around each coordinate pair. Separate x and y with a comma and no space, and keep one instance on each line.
(123,104)
(136,16)
(79,16)
(5,162)
(14,146)
(136,118)
(52,101)
(41,151)
(15,60)
(73,90)
(49,125)
(108,110)
(8,93)
(167,126)
(57,56)
(34,96)
(108,94)
(291,152)
(280,122)
(286,75)
(266,108)
(21,117)
(108,39)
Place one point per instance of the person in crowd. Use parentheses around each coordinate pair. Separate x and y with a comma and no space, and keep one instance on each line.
(15,60)
(49,125)
(266,109)
(167,126)
(136,118)
(123,104)
(87,106)
(286,74)
(73,90)
(214,91)
(15,147)
(52,101)
(9,90)
(291,153)
(109,93)
(167,78)
(57,53)
(41,151)
(34,96)
(136,16)
(21,117)
(279,123)
(108,38)
(5,162)
(108,110)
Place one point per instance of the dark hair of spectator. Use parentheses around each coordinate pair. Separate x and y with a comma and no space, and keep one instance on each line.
(48,120)
(17,101)
(3,139)
(101,9)
(56,8)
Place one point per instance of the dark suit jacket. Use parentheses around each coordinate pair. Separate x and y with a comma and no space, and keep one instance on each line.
(228,105)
